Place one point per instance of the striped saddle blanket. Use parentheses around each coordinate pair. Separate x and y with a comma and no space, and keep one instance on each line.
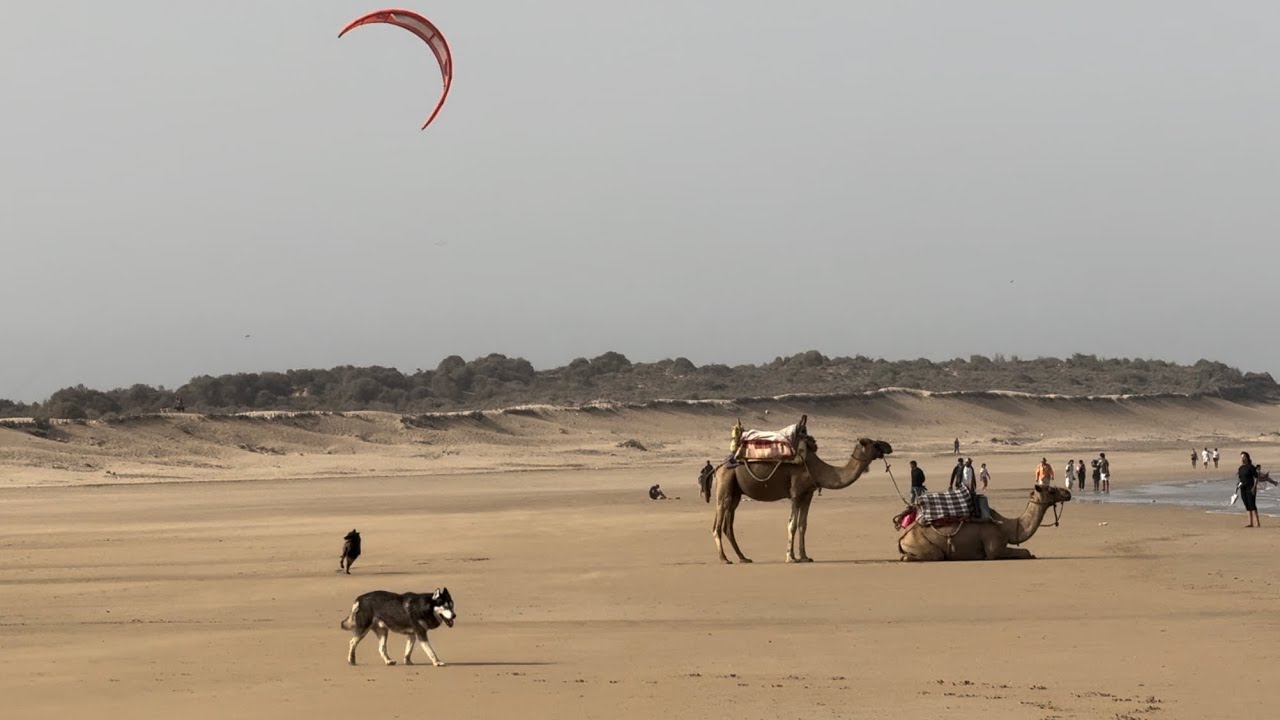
(938,508)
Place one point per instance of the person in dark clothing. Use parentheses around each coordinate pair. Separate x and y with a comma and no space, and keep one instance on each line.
(1248,487)
(957,446)
(917,481)
(957,474)
(350,551)
(655,493)
(704,480)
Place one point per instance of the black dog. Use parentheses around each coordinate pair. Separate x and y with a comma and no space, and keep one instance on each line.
(350,551)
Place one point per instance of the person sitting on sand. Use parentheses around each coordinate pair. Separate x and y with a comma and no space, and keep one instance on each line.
(655,493)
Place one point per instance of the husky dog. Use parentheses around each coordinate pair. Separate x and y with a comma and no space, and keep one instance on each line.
(411,614)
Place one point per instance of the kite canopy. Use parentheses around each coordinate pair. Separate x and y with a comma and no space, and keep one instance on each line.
(423,28)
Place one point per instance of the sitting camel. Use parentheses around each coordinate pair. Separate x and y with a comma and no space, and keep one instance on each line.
(980,540)
(767,481)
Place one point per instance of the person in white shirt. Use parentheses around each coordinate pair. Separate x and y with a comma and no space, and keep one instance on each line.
(1069,474)
(1204,458)
(967,476)
(980,494)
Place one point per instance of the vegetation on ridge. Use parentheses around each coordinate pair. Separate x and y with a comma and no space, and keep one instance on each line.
(499,381)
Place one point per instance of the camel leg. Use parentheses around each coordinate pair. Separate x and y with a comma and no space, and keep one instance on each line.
(1016,553)
(717,529)
(792,524)
(734,500)
(922,550)
(805,502)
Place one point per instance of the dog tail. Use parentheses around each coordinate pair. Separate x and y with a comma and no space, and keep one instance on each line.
(350,622)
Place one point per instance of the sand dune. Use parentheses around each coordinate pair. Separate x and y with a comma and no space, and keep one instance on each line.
(187,447)
(135,585)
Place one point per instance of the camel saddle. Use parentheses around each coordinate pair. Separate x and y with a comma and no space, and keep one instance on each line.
(946,507)
(790,444)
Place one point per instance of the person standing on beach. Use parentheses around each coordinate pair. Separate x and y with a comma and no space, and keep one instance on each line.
(917,481)
(980,495)
(1215,458)
(1069,475)
(967,476)
(957,446)
(1080,473)
(957,474)
(1204,458)
(1097,475)
(1044,473)
(1194,456)
(1248,488)
(1104,473)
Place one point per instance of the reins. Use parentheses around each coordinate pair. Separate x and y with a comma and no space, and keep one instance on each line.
(895,483)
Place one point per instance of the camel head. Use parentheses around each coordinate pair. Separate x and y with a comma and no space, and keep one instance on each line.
(1047,495)
(869,450)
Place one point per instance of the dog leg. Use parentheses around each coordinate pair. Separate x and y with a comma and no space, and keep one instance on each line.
(408,650)
(351,653)
(426,647)
(382,646)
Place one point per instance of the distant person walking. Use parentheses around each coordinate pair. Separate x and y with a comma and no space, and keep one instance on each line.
(1044,473)
(704,481)
(1215,458)
(1204,458)
(957,446)
(1248,488)
(1104,473)
(1194,458)
(917,481)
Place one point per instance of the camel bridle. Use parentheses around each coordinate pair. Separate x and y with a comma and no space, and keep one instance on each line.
(1059,506)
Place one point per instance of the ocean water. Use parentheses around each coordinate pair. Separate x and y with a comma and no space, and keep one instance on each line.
(1207,495)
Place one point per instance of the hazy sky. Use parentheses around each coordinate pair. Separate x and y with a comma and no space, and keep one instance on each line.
(728,181)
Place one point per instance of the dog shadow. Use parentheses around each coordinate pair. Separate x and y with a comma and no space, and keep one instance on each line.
(495,664)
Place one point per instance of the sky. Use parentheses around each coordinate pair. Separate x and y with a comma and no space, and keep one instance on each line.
(204,188)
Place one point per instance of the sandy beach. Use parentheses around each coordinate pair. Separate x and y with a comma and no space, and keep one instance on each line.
(186,565)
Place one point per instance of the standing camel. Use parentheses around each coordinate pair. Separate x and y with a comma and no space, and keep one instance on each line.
(769,481)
